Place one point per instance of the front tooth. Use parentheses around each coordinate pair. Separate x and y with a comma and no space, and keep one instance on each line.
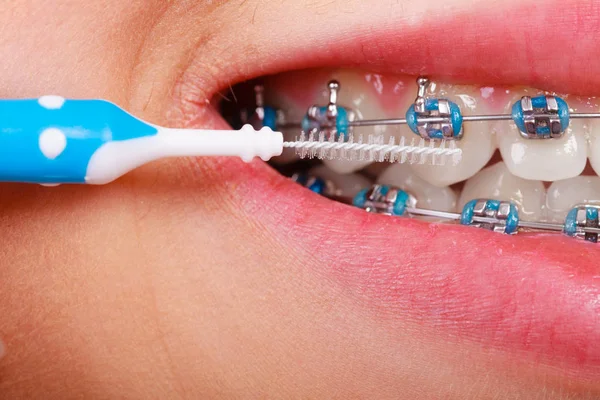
(477,142)
(345,185)
(497,183)
(563,195)
(428,196)
(542,159)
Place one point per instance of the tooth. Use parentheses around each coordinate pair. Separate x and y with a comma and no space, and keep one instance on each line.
(345,185)
(497,183)
(428,196)
(594,134)
(376,169)
(283,92)
(543,159)
(367,95)
(477,143)
(564,194)
(293,112)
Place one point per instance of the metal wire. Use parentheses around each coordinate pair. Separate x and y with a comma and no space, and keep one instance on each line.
(467,118)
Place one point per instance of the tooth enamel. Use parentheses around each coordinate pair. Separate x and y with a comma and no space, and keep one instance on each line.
(497,183)
(477,143)
(563,195)
(376,168)
(428,196)
(356,93)
(542,159)
(591,105)
(345,185)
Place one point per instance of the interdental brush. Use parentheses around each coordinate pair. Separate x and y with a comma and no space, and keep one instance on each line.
(582,221)
(349,148)
(51,140)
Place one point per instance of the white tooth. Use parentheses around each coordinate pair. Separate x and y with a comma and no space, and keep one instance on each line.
(376,168)
(497,183)
(477,143)
(543,159)
(345,167)
(594,146)
(345,185)
(563,195)
(358,95)
(594,135)
(428,196)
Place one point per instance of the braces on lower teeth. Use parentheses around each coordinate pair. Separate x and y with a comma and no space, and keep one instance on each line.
(495,215)
(582,222)
(314,184)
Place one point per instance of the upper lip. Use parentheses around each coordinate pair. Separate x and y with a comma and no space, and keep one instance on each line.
(535,294)
(548,46)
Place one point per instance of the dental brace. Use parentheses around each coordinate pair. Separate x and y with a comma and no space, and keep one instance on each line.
(325,133)
(438,119)
(495,215)
(543,117)
(582,222)
(262,115)
(315,184)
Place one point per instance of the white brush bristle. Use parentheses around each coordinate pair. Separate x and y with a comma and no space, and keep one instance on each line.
(319,145)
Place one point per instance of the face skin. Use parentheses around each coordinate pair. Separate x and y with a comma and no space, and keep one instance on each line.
(164,283)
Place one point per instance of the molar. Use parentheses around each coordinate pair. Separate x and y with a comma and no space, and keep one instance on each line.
(497,183)
(543,159)
(477,143)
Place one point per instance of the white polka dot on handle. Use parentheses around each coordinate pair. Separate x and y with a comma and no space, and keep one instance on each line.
(52,142)
(51,102)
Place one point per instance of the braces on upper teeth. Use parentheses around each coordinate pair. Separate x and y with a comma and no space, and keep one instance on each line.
(326,133)
(432,119)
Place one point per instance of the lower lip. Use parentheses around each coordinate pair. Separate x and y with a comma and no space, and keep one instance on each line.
(538,294)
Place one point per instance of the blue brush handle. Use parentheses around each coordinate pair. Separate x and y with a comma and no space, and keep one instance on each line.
(51,140)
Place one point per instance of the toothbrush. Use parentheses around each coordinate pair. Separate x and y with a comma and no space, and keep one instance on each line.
(52,140)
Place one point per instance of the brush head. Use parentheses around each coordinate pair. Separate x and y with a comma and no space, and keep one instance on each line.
(374,148)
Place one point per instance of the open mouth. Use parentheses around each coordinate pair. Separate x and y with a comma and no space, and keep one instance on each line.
(538,171)
(536,293)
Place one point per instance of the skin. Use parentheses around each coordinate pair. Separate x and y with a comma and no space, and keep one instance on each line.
(163,284)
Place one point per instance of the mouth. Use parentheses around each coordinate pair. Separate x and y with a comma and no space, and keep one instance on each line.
(535,294)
